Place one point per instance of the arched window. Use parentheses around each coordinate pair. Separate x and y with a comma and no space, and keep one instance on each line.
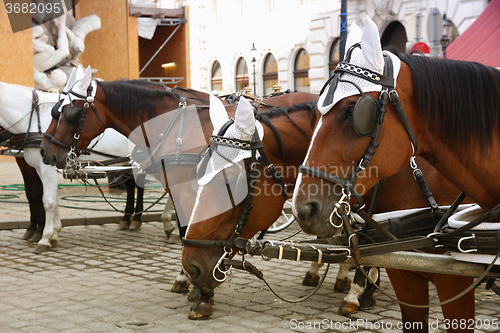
(334,57)
(241,75)
(301,71)
(216,77)
(270,76)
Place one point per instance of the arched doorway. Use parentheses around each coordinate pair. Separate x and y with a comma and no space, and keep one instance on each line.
(395,35)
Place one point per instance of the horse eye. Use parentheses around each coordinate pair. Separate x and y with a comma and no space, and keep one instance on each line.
(349,112)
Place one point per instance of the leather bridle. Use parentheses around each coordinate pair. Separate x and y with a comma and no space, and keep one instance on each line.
(388,92)
(73,151)
(255,145)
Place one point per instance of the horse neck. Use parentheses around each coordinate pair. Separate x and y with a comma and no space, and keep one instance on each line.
(126,124)
(295,143)
(15,107)
(469,171)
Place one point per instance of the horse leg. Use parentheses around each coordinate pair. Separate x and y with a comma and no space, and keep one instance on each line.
(460,310)
(34,193)
(129,206)
(412,288)
(343,282)
(181,283)
(167,217)
(312,276)
(202,307)
(39,210)
(350,303)
(139,206)
(50,237)
(366,300)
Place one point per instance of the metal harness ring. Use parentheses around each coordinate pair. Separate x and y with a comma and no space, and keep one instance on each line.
(217,267)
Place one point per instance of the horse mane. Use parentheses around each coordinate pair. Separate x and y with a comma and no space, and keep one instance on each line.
(145,83)
(275,111)
(193,93)
(129,99)
(461,99)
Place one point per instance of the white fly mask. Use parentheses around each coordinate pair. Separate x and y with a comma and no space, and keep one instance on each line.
(370,56)
(228,148)
(76,74)
(242,130)
(79,86)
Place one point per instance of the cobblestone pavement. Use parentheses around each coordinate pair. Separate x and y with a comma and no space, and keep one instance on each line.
(99,279)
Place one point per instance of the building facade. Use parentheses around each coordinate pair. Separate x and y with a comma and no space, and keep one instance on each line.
(295,43)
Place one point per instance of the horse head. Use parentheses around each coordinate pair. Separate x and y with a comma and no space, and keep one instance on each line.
(337,167)
(79,121)
(223,190)
(76,75)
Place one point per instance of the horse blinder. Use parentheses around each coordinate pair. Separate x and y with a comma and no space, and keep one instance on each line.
(55,111)
(365,115)
(72,114)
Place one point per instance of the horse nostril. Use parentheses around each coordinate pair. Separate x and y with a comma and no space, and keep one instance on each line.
(53,160)
(193,271)
(308,211)
(41,151)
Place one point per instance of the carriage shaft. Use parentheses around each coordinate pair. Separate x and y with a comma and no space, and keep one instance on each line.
(426,262)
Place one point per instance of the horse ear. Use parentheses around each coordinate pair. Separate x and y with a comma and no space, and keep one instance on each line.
(244,119)
(80,72)
(71,80)
(218,114)
(354,35)
(372,49)
(87,78)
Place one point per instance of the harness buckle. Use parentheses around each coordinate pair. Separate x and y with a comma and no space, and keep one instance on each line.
(459,245)
(382,93)
(392,92)
(413,164)
(360,165)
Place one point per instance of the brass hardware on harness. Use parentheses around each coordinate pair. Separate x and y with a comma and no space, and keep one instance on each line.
(299,253)
(320,254)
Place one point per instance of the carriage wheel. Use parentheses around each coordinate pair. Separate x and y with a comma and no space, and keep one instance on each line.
(286,219)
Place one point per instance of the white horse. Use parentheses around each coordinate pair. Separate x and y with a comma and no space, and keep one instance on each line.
(17,116)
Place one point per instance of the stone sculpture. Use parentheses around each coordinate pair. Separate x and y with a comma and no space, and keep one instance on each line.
(57,46)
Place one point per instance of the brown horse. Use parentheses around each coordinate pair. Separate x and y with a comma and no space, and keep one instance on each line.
(450,118)
(400,191)
(125,107)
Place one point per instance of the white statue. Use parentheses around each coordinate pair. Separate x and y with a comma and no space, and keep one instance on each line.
(57,46)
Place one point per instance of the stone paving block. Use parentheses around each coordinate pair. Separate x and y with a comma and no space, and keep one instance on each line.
(122,296)
(36,328)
